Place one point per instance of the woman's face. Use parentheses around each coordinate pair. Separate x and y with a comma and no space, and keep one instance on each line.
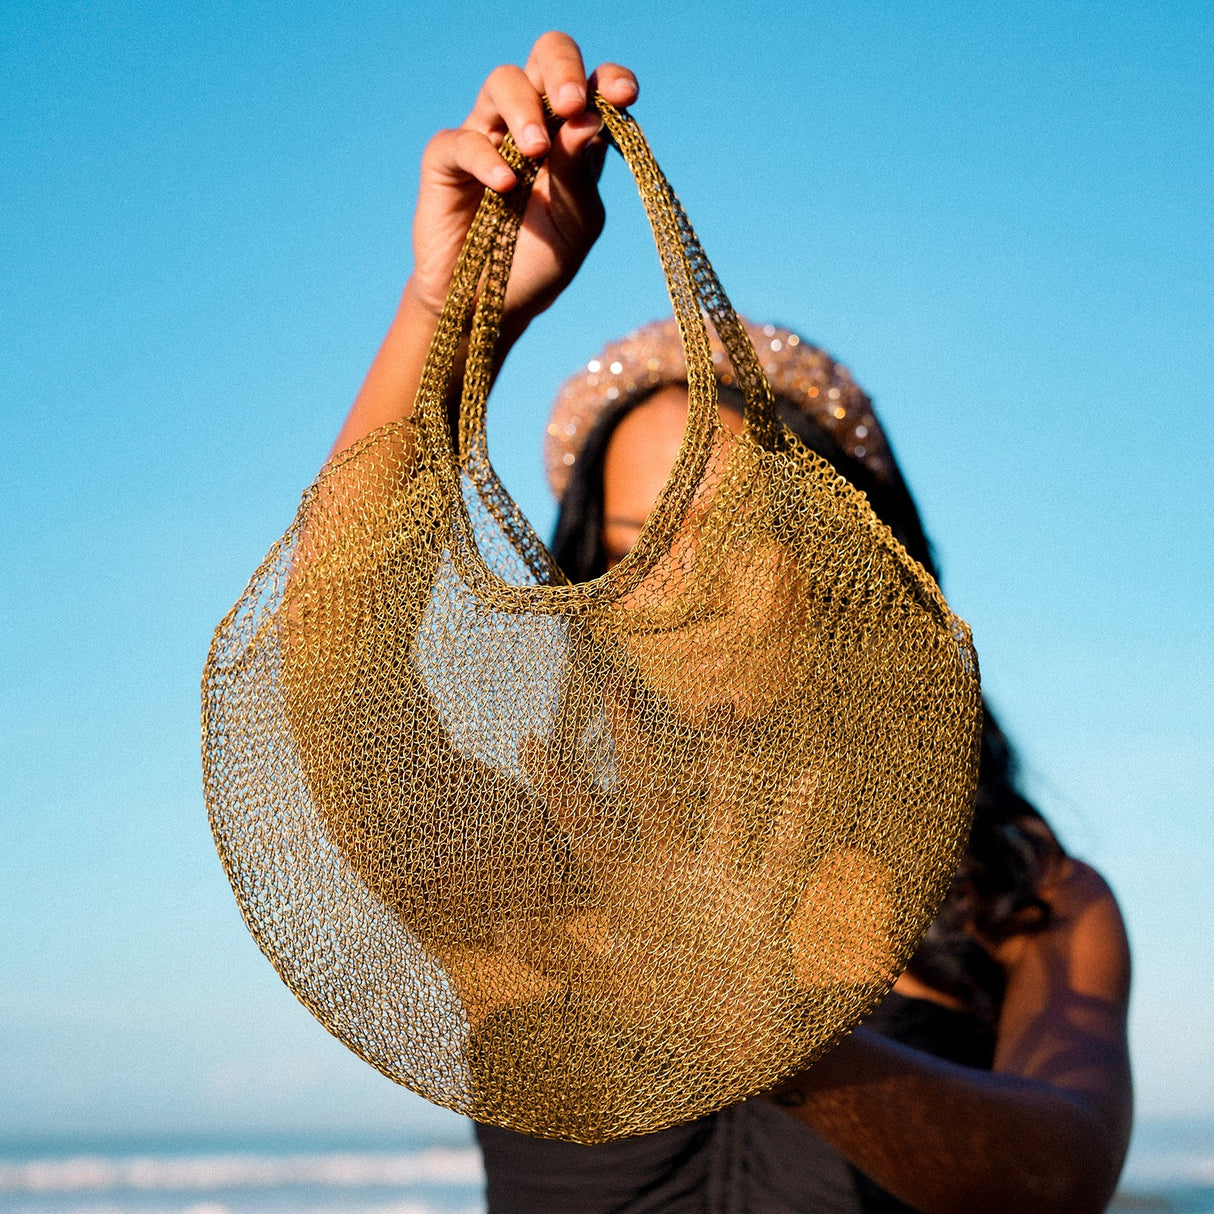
(639,457)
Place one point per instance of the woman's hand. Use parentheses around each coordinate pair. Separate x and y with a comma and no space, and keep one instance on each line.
(563,219)
(564,215)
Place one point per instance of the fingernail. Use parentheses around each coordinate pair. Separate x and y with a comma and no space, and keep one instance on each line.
(535,136)
(571,94)
(503,178)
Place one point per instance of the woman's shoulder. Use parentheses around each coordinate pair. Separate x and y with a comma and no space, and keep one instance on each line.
(1081,958)
(1073,884)
(1082,905)
(1078,896)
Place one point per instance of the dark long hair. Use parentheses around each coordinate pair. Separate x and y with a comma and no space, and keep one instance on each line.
(996,892)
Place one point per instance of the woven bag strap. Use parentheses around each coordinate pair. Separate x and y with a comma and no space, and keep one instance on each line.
(761,419)
(483,239)
(689,275)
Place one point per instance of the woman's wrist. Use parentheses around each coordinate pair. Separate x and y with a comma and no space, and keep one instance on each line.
(417,309)
(420,315)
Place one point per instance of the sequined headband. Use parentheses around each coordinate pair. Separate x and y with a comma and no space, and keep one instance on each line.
(636,365)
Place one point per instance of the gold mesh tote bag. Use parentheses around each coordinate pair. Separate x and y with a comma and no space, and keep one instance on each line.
(588,860)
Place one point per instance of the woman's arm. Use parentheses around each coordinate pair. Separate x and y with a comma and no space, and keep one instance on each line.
(1047,1129)
(563,219)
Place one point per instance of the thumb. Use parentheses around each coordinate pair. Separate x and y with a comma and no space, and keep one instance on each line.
(595,156)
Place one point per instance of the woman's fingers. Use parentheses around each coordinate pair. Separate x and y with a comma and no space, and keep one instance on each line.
(576,141)
(555,68)
(616,83)
(454,156)
(511,98)
(509,101)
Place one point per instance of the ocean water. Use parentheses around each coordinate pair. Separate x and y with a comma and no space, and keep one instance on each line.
(1170,1171)
(242,1175)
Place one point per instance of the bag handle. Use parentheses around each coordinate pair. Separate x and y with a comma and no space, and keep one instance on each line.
(678,246)
(484,263)
(484,235)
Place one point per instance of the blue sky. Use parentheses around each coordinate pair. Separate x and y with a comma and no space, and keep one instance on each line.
(999,217)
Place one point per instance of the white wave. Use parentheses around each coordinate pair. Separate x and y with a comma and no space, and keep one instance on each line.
(210,1207)
(210,1173)
(1170,1167)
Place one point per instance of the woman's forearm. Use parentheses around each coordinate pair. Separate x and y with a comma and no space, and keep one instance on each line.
(949,1139)
(390,387)
(388,392)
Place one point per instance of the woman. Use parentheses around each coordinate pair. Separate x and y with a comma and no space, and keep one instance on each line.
(997,1076)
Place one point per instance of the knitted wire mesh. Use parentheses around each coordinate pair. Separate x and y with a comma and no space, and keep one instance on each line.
(588,860)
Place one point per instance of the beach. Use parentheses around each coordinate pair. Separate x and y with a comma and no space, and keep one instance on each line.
(1170,1171)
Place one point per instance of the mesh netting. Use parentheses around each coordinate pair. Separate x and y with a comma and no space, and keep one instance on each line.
(587,861)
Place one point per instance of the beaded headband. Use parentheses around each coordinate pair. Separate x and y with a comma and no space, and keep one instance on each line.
(631,368)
